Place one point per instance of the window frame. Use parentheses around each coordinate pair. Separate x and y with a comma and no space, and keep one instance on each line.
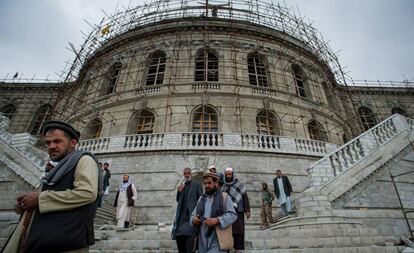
(206,120)
(367,122)
(8,110)
(157,62)
(141,121)
(206,67)
(257,78)
(316,131)
(299,80)
(39,119)
(113,76)
(271,124)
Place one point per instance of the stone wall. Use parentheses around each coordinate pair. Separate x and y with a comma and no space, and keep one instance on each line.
(10,187)
(374,201)
(381,100)
(157,176)
(27,98)
(234,99)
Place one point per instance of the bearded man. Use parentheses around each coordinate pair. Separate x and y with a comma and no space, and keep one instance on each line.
(237,192)
(188,194)
(214,208)
(124,201)
(59,217)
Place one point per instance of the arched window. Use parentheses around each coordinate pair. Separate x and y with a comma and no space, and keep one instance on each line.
(156,68)
(113,76)
(142,122)
(8,110)
(205,120)
(299,79)
(257,70)
(267,123)
(41,117)
(206,66)
(367,118)
(93,129)
(398,110)
(316,131)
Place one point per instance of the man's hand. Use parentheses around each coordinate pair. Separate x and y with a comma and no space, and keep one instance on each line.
(247,215)
(211,222)
(18,209)
(180,188)
(29,200)
(196,221)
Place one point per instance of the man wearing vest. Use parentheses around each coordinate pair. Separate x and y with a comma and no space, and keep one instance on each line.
(124,201)
(213,208)
(59,218)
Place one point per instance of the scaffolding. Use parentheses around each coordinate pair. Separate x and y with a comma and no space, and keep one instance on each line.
(291,27)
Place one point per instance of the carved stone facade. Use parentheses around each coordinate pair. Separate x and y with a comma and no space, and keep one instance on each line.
(202,91)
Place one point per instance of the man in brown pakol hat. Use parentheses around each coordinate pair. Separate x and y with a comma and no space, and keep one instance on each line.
(59,217)
(211,210)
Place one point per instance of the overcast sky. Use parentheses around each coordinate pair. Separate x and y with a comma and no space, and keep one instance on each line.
(374,38)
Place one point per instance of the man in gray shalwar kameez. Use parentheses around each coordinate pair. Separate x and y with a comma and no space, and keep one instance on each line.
(210,212)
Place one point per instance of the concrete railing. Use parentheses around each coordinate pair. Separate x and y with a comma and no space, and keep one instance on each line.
(206,141)
(23,143)
(94,144)
(356,150)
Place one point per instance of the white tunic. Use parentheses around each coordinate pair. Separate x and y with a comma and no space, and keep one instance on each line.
(123,211)
(282,194)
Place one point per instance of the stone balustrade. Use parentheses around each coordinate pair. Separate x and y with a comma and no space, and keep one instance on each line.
(263,91)
(93,145)
(357,149)
(24,143)
(206,141)
(206,86)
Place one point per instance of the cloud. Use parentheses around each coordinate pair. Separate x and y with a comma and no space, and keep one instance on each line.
(374,37)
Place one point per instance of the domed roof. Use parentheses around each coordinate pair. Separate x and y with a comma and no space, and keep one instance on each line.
(274,16)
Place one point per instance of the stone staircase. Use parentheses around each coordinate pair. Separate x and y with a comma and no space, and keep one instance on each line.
(105,214)
(158,239)
(20,155)
(348,165)
(316,226)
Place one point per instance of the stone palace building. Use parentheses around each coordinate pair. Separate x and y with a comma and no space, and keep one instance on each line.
(166,85)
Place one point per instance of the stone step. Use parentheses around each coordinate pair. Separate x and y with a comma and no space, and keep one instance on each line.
(274,243)
(250,234)
(311,233)
(317,225)
(369,249)
(286,243)
(107,210)
(136,245)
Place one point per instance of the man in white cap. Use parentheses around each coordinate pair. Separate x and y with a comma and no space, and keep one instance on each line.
(237,191)
(124,201)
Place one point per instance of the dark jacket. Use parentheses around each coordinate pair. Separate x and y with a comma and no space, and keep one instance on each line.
(244,204)
(107,176)
(187,200)
(64,230)
(242,207)
(130,194)
(286,186)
